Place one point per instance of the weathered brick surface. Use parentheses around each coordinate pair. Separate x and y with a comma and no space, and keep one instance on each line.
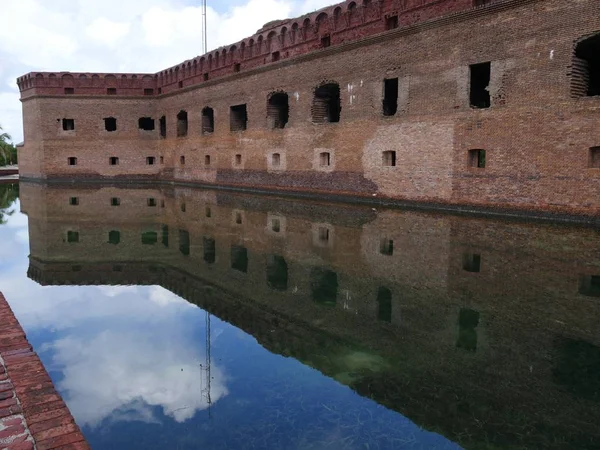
(32,413)
(536,136)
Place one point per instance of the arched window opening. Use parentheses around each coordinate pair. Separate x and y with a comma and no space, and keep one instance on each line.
(182,123)
(585,72)
(326,105)
(278,110)
(208,120)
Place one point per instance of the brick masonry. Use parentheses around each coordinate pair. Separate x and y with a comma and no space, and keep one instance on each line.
(536,135)
(32,413)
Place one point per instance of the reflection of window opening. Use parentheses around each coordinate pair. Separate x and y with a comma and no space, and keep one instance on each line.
(184,242)
(239,258)
(384,302)
(589,285)
(324,286)
(114,237)
(386,247)
(165,235)
(472,262)
(209,250)
(277,273)
(149,238)
(467,334)
(72,236)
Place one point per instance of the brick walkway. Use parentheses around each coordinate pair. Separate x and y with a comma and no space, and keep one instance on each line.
(32,413)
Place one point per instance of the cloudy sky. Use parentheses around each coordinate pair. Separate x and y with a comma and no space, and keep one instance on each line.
(118,36)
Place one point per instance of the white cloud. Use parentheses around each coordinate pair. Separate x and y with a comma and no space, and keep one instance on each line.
(119,36)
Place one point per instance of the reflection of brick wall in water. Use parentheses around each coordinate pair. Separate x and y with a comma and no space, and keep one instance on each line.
(526,108)
(485,336)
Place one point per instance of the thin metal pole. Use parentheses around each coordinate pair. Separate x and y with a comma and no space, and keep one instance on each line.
(204,33)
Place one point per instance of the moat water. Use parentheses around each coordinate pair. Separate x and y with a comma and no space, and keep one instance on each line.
(174,318)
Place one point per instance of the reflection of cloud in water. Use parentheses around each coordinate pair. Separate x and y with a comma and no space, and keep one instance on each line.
(119,373)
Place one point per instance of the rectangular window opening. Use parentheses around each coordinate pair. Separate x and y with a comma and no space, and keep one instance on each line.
(480,75)
(276,56)
(477,159)
(278,110)
(149,237)
(180,84)
(69,91)
(207,160)
(184,242)
(74,201)
(150,160)
(325,159)
(207,212)
(390,96)
(72,236)
(113,161)
(238,118)
(72,161)
(389,159)
(146,123)
(275,225)
(386,247)
(589,285)
(115,201)
(111,91)
(148,91)
(205,77)
(237,67)
(110,124)
(391,22)
(68,124)
(239,258)
(326,106)
(585,68)
(151,202)
(472,262)
(182,124)
(594,160)
(163,126)
(276,159)
(238,160)
(208,120)
(325,41)
(210,251)
(182,160)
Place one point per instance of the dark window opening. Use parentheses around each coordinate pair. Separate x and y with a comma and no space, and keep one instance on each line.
(69,91)
(275,159)
(150,160)
(184,242)
(467,333)
(162,122)
(207,160)
(151,202)
(585,76)
(72,161)
(275,56)
(160,90)
(239,258)
(113,161)
(117,268)
(110,124)
(477,159)
(182,160)
(72,236)
(323,234)
(324,286)
(148,91)
(326,106)
(238,218)
(115,201)
(180,84)
(479,93)
(162,159)
(276,225)
(481,2)
(325,41)
(146,123)
(389,158)
(238,118)
(391,22)
(384,302)
(589,285)
(390,96)
(114,237)
(386,247)
(238,160)
(208,120)
(149,238)
(111,91)
(205,77)
(594,160)
(182,124)
(68,124)
(210,252)
(324,159)
(165,235)
(577,368)
(182,207)
(277,273)
(74,201)
(472,262)
(278,110)
(207,212)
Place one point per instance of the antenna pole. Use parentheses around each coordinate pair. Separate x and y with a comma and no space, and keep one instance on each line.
(204,33)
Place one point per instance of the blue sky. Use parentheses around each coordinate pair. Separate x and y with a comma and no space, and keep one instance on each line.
(118,36)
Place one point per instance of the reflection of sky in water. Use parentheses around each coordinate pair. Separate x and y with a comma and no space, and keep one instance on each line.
(127,361)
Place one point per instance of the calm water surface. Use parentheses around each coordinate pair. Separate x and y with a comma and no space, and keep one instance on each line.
(174,318)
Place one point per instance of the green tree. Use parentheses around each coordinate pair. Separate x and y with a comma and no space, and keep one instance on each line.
(8,195)
(8,152)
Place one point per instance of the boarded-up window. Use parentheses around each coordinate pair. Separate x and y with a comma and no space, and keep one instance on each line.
(238,118)
(278,110)
(326,106)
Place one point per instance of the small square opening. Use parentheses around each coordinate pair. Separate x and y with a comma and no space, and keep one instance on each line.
(182,160)
(324,159)
(276,56)
(110,124)
(325,41)
(111,91)
(238,160)
(207,160)
(589,285)
(472,262)
(323,234)
(151,202)
(115,201)
(477,158)
(74,201)
(113,161)
(68,124)
(276,159)
(386,247)
(237,67)
(389,158)
(72,236)
(148,91)
(69,91)
(72,161)
(150,160)
(391,22)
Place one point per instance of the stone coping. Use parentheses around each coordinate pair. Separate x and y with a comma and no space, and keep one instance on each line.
(32,413)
